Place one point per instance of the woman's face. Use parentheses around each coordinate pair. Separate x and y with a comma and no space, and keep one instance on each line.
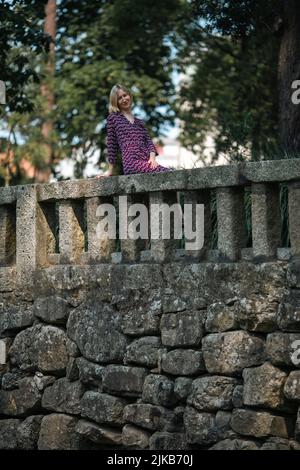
(124,100)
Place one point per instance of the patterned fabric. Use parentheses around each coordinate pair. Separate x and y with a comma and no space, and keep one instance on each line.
(134,142)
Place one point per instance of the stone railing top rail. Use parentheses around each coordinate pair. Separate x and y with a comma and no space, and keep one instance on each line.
(239,174)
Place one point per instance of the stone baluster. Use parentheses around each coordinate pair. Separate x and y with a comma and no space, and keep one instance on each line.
(231,222)
(101,243)
(266,219)
(133,220)
(46,229)
(7,234)
(71,235)
(294,217)
(162,248)
(193,198)
(27,247)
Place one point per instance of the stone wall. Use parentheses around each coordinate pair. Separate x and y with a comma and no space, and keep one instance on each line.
(174,356)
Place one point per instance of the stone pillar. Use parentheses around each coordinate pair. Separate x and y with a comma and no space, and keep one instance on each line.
(99,249)
(294,217)
(200,197)
(162,249)
(7,234)
(71,235)
(27,248)
(131,248)
(266,219)
(231,222)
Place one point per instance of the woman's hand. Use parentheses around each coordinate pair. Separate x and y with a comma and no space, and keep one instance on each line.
(104,175)
(152,161)
(108,172)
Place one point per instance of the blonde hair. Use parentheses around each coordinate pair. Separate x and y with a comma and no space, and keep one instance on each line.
(113,97)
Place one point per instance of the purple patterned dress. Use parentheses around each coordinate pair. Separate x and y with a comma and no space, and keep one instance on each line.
(134,143)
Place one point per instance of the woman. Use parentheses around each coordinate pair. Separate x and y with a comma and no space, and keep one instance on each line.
(128,134)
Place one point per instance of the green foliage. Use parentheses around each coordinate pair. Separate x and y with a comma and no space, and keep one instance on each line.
(98,44)
(236,19)
(229,91)
(224,50)
(103,43)
(21,36)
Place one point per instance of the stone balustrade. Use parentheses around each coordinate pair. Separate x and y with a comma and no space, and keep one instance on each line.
(46,224)
(137,344)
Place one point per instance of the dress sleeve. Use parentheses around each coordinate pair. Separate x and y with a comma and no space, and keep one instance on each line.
(150,145)
(112,142)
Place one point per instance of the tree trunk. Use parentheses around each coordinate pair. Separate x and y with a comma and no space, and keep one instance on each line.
(43,175)
(288,72)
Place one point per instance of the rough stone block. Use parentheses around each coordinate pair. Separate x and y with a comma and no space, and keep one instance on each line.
(292,386)
(63,396)
(151,417)
(58,433)
(257,313)
(72,372)
(297,427)
(276,443)
(8,434)
(28,432)
(260,424)
(263,386)
(182,328)
(103,408)
(293,273)
(182,388)
(235,444)
(200,427)
(95,328)
(21,401)
(237,396)
(183,362)
(89,372)
(221,317)
(72,348)
(212,393)
(52,309)
(10,380)
(168,441)
(289,312)
(142,320)
(7,279)
(144,351)
(98,434)
(223,425)
(15,318)
(174,301)
(229,353)
(40,347)
(158,390)
(134,437)
(123,380)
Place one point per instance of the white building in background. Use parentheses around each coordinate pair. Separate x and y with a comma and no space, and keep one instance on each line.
(172,154)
